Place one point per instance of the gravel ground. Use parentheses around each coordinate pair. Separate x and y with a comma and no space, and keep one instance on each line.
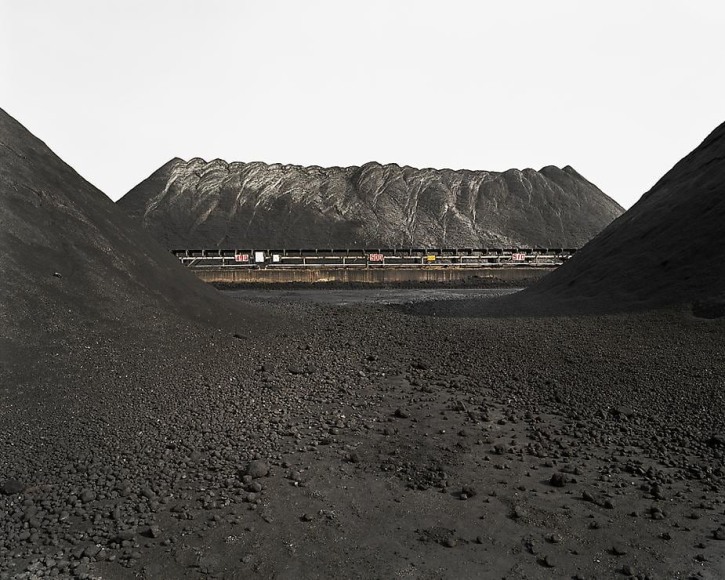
(368,296)
(368,442)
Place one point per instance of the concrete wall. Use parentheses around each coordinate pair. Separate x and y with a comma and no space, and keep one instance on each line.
(366,275)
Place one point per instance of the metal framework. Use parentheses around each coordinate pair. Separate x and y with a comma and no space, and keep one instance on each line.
(375,258)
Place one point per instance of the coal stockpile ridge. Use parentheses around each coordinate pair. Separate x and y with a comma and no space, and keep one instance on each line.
(71,257)
(667,249)
(199,204)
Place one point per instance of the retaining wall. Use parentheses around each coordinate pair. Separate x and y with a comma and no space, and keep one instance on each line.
(366,275)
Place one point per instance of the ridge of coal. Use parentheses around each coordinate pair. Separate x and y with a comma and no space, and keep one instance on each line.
(240,205)
(667,249)
(71,257)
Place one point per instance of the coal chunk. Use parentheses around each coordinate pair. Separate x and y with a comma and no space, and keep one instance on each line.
(12,487)
(257,468)
(558,480)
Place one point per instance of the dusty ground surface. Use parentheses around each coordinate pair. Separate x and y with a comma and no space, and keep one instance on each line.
(388,445)
(367,296)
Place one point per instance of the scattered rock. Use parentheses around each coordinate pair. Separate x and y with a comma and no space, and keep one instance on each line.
(467,491)
(518,513)
(618,549)
(587,496)
(548,561)
(257,468)
(12,487)
(152,532)
(450,542)
(92,550)
(558,479)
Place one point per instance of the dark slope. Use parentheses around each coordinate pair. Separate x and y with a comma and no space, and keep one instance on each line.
(219,204)
(69,256)
(668,248)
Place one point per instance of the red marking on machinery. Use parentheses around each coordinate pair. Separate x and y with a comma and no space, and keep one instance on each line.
(376,257)
(241,258)
(518,257)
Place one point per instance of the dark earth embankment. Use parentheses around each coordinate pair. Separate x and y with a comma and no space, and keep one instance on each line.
(71,260)
(373,278)
(669,248)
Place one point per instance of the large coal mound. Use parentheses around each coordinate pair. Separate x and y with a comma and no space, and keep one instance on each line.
(71,257)
(255,205)
(668,249)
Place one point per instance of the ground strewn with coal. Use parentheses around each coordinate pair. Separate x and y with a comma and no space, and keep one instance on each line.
(367,443)
(199,204)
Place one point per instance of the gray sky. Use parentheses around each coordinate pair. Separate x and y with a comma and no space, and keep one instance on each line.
(620,90)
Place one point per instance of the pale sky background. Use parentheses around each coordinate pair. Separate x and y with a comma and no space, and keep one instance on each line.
(620,90)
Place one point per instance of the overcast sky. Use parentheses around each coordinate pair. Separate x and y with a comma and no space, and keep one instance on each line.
(620,90)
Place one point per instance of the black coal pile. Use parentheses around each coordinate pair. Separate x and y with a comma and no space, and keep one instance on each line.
(256,205)
(667,249)
(105,350)
(70,256)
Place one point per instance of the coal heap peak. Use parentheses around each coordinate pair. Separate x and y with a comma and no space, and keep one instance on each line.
(214,204)
(70,257)
(668,248)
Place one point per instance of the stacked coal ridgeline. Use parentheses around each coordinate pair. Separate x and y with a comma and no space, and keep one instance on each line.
(195,204)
